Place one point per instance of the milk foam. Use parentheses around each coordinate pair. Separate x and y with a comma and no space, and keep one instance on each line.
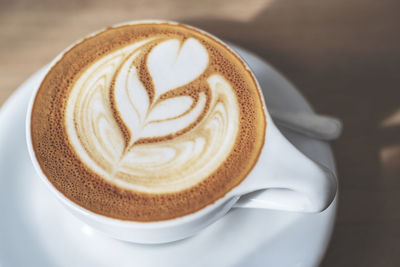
(153,136)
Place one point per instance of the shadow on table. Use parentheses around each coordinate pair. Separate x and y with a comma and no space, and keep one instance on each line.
(339,57)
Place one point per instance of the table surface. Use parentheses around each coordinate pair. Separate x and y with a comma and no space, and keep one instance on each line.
(343,55)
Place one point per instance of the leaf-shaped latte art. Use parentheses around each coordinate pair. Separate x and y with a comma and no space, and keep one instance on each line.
(172,64)
(131,99)
(163,110)
(169,126)
(131,122)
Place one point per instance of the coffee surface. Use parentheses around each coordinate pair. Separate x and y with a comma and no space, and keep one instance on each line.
(147,122)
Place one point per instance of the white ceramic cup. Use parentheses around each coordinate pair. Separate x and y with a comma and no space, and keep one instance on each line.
(290,179)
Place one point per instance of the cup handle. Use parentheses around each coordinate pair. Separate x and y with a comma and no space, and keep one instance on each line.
(286,179)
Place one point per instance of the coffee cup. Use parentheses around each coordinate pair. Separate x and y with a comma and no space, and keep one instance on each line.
(200,115)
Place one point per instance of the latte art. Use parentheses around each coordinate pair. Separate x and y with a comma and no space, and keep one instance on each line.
(147,122)
(164,133)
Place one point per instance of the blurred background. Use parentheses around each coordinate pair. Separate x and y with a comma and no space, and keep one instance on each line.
(343,55)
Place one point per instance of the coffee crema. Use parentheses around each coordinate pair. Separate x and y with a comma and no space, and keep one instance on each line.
(147,122)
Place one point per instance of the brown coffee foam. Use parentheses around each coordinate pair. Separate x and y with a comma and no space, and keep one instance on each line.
(80,184)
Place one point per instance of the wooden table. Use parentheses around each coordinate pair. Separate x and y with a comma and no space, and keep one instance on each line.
(343,55)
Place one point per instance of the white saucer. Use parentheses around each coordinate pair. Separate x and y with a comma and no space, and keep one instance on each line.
(35,230)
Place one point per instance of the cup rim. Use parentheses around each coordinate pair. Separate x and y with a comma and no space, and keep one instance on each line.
(229,196)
